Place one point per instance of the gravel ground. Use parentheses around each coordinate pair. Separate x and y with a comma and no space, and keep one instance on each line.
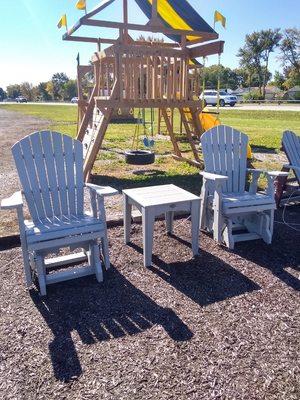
(224,325)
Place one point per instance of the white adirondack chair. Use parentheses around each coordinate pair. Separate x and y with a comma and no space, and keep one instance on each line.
(227,209)
(50,167)
(289,189)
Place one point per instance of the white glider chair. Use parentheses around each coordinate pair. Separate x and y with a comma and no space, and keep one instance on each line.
(227,209)
(50,168)
(288,189)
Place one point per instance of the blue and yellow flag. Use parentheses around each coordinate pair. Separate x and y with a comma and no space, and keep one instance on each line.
(220,18)
(62,22)
(81,5)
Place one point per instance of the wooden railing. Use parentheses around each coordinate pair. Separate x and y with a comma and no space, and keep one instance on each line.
(145,73)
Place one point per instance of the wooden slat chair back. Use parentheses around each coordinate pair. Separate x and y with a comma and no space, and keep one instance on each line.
(291,145)
(225,153)
(50,167)
(230,211)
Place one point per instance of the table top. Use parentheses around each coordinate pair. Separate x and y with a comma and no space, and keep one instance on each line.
(159,195)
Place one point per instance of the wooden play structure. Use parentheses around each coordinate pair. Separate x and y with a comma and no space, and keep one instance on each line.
(131,73)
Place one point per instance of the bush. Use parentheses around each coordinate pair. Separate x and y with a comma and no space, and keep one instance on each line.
(254,95)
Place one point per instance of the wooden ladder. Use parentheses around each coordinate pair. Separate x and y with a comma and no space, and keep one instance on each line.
(94,141)
(191,129)
(177,153)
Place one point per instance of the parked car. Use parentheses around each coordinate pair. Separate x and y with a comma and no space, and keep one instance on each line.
(74,100)
(21,99)
(211,98)
(8,100)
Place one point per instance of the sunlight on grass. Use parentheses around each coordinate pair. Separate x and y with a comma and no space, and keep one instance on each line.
(264,129)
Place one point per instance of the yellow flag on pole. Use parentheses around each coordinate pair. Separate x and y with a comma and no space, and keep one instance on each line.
(219,18)
(81,5)
(62,21)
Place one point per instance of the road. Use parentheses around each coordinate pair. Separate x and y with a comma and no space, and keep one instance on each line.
(244,107)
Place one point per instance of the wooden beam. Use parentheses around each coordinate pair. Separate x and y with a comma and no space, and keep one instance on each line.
(207,49)
(148,28)
(88,39)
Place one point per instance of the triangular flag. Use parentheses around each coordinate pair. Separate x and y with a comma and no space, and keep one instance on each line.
(220,18)
(81,5)
(62,21)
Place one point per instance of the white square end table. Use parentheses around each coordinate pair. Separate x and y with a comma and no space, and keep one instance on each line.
(153,201)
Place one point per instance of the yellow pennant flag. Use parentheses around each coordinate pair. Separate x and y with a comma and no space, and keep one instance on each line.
(220,18)
(81,5)
(62,21)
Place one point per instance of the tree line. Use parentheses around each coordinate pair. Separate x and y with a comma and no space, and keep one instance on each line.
(59,88)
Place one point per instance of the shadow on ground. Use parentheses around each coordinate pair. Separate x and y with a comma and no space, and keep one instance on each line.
(117,308)
(98,313)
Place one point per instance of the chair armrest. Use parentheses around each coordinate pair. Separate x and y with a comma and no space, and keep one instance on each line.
(102,190)
(274,174)
(271,176)
(213,177)
(14,201)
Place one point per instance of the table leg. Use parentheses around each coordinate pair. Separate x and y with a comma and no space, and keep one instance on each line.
(195,213)
(127,218)
(148,226)
(169,221)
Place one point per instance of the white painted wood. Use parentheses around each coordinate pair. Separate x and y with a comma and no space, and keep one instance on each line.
(41,274)
(127,209)
(157,195)
(70,180)
(65,260)
(291,145)
(71,273)
(195,214)
(224,201)
(169,216)
(39,161)
(50,168)
(153,201)
(148,226)
(14,201)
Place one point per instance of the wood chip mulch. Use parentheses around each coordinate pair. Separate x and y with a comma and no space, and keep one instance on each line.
(225,325)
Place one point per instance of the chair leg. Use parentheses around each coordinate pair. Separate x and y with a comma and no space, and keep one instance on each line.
(169,215)
(227,235)
(105,251)
(41,273)
(96,261)
(266,232)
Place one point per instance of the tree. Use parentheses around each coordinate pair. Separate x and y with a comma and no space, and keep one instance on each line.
(3,94)
(49,90)
(290,48)
(58,80)
(278,80)
(27,91)
(42,91)
(13,91)
(69,89)
(255,54)
(228,77)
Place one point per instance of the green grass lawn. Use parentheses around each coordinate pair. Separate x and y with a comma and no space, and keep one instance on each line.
(264,129)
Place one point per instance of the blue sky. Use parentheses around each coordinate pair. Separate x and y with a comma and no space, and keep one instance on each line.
(31,48)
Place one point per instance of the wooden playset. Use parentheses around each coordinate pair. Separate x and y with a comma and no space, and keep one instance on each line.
(144,74)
